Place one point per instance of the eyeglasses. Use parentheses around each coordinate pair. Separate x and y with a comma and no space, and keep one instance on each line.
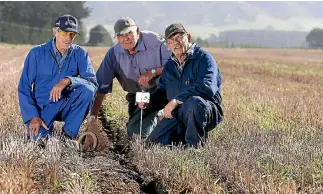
(177,39)
(67,34)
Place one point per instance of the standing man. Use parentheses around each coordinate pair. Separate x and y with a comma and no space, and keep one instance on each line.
(190,87)
(137,61)
(57,83)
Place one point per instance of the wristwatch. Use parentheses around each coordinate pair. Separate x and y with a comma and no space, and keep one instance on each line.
(153,71)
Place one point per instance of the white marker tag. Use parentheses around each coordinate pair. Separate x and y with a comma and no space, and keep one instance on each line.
(142,97)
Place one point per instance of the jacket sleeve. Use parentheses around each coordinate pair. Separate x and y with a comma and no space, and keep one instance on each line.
(26,97)
(86,72)
(206,84)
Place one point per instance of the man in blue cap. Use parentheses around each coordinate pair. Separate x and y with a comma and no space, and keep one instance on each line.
(57,83)
(136,61)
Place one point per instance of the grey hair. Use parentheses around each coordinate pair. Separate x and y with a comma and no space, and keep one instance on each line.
(56,28)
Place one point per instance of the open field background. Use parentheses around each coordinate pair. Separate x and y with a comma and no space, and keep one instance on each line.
(271,140)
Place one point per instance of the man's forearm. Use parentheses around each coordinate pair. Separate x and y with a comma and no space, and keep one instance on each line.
(97,104)
(77,81)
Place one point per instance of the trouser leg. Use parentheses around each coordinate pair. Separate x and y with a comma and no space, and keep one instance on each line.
(166,132)
(149,122)
(199,116)
(48,115)
(76,109)
(71,109)
(149,119)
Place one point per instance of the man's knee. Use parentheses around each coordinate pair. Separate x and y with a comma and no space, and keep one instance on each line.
(147,125)
(193,104)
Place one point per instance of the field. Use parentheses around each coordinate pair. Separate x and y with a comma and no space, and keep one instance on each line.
(271,140)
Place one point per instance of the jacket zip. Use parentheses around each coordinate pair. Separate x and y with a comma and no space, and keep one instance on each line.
(59,66)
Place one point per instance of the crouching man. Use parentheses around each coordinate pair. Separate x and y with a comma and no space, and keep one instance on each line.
(57,83)
(188,92)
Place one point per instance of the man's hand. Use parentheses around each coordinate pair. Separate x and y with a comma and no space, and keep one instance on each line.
(145,78)
(169,108)
(35,125)
(56,92)
(142,105)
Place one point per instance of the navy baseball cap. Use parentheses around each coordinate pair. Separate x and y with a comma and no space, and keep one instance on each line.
(67,23)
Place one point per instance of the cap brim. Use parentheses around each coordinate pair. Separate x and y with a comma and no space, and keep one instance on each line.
(175,32)
(70,30)
(126,30)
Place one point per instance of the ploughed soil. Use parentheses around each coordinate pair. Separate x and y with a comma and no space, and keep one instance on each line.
(112,169)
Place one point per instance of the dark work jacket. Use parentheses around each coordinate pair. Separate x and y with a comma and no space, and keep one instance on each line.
(199,77)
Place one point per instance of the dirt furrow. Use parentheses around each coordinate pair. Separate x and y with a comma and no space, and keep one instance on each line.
(120,146)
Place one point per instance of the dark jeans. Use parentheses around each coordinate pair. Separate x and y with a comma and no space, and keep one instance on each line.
(149,119)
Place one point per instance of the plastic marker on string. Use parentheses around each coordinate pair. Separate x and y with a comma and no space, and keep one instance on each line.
(142,97)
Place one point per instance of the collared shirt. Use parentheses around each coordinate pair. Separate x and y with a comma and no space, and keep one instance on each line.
(58,55)
(180,65)
(151,52)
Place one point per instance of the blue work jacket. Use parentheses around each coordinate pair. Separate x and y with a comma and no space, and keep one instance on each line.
(42,71)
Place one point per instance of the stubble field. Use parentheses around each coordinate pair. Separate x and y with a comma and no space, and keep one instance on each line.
(270,141)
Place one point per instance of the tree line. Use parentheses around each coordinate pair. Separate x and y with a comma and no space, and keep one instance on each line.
(32,22)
